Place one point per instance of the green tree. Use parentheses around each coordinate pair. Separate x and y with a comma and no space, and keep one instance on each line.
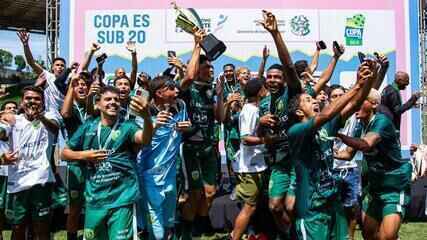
(41,62)
(5,58)
(20,63)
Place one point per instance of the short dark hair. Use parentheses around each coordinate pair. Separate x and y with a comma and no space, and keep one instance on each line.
(109,89)
(158,83)
(38,90)
(275,66)
(59,59)
(333,87)
(293,106)
(122,77)
(229,65)
(300,66)
(253,86)
(3,106)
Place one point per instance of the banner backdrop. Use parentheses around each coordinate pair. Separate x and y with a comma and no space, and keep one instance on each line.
(386,26)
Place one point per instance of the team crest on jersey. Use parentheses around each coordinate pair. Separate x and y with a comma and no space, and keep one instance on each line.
(195,175)
(280,106)
(89,233)
(115,135)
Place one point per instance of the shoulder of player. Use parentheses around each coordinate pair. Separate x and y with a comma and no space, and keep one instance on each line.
(301,128)
(382,119)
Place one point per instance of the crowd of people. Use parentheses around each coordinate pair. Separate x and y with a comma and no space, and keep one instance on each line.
(142,154)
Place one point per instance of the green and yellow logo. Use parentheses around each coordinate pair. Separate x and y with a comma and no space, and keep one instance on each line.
(354,30)
(115,135)
(89,233)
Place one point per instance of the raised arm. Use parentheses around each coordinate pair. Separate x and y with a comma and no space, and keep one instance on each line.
(270,24)
(193,65)
(86,62)
(140,105)
(367,73)
(382,60)
(67,107)
(24,36)
(219,106)
(331,110)
(131,47)
(315,59)
(176,62)
(327,74)
(265,55)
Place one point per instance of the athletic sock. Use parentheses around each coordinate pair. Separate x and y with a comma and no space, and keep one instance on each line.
(71,236)
(187,230)
(206,227)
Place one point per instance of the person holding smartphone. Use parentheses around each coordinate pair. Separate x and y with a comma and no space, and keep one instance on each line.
(108,145)
(157,162)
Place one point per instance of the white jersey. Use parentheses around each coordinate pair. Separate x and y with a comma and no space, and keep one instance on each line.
(54,99)
(34,145)
(348,130)
(249,159)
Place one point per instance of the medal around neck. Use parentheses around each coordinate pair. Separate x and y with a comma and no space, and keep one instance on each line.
(187,19)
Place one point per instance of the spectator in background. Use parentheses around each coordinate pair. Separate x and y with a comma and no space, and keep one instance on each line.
(391,101)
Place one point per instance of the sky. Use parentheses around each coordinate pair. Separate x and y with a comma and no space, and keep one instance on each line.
(9,41)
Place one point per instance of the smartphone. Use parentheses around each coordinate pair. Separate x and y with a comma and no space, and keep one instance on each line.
(141,92)
(321,44)
(337,46)
(171,53)
(362,57)
(101,58)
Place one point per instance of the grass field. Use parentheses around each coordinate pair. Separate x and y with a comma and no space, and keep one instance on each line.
(409,231)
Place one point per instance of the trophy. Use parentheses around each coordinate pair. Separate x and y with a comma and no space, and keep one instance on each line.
(187,19)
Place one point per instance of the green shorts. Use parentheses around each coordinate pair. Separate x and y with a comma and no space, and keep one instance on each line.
(59,193)
(3,191)
(329,223)
(380,205)
(76,183)
(282,182)
(250,186)
(116,223)
(200,165)
(389,192)
(35,202)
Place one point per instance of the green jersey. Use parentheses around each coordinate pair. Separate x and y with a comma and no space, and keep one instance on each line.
(277,104)
(232,136)
(386,157)
(230,88)
(113,182)
(77,118)
(200,103)
(311,152)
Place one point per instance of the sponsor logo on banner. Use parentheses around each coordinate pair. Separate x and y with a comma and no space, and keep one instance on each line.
(300,25)
(354,30)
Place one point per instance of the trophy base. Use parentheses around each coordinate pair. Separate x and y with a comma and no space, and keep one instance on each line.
(212,47)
